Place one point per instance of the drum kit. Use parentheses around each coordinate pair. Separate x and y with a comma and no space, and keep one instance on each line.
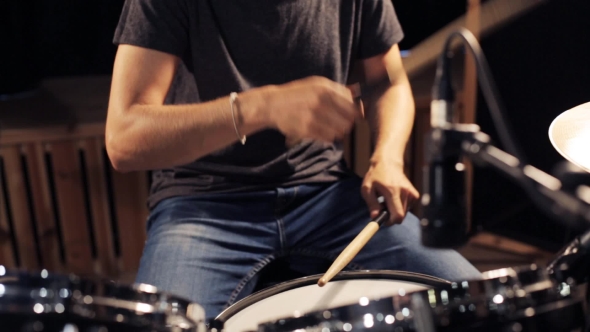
(525,298)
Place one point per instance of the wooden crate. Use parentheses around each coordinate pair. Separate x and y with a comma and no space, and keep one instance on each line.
(64,208)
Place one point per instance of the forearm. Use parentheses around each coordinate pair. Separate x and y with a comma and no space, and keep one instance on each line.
(145,137)
(143,134)
(391,118)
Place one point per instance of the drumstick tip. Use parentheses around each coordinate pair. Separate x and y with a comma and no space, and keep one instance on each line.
(322,282)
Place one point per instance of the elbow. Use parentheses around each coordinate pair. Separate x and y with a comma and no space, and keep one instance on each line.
(120,164)
(118,152)
(119,160)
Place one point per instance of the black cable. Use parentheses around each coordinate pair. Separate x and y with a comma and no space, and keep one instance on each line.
(489,90)
(495,106)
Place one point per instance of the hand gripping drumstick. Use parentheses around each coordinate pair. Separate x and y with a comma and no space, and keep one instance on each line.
(358,91)
(354,247)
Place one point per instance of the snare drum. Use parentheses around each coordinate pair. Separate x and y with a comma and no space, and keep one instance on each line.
(44,302)
(301,296)
(520,299)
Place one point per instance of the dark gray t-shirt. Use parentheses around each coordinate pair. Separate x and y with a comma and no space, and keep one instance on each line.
(235,45)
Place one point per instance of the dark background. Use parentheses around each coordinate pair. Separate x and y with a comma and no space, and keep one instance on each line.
(539,61)
(73,37)
(541,64)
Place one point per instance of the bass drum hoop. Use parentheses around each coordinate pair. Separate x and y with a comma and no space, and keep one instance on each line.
(418,278)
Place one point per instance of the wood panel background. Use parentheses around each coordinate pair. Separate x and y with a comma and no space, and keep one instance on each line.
(64,208)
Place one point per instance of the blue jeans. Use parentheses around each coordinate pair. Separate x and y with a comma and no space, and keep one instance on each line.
(210,249)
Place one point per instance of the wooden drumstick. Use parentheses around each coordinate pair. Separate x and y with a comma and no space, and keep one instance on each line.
(353,248)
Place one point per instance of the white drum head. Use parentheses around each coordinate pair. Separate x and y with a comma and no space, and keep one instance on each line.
(301,296)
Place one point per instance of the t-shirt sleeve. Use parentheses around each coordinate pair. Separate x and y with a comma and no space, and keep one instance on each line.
(161,25)
(380,28)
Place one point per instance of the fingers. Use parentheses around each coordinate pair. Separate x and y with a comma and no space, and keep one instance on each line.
(371,199)
(411,196)
(393,201)
(343,101)
(319,131)
(395,205)
(337,110)
(330,122)
(413,193)
(397,200)
(327,110)
(345,104)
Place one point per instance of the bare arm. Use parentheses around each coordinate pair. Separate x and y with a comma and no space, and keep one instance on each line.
(142,133)
(391,117)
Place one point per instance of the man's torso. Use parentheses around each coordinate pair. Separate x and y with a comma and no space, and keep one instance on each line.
(236,45)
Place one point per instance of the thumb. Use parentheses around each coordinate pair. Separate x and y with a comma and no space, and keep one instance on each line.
(414,194)
(371,199)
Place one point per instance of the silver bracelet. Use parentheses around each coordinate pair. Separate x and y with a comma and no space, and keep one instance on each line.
(232,99)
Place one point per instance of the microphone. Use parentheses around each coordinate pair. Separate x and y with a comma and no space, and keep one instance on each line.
(444,222)
(443,95)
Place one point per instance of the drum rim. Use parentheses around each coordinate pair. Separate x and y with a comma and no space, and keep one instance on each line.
(93,292)
(95,286)
(312,279)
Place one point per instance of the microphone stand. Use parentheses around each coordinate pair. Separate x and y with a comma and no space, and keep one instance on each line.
(571,266)
(546,191)
(566,200)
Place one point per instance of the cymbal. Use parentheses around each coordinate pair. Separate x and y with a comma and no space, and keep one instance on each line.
(570,135)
